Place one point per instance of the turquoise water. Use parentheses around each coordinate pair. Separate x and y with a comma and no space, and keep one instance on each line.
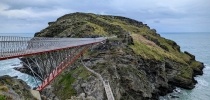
(197,43)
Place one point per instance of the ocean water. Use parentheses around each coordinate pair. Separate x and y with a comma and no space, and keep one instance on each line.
(6,66)
(198,44)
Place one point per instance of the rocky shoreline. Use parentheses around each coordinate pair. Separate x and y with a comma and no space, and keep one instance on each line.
(139,63)
(12,88)
(153,71)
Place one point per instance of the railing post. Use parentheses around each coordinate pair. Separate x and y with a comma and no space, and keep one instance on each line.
(1,46)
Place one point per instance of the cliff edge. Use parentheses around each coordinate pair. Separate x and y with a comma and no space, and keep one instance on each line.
(138,62)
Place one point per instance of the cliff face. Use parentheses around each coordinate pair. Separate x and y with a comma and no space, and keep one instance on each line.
(138,63)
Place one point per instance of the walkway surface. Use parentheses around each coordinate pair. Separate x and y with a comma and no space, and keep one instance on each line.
(107,87)
(13,47)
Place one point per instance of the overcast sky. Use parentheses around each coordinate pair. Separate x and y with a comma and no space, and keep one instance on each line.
(30,16)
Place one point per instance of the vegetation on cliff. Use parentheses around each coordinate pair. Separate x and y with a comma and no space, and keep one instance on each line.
(139,63)
(12,88)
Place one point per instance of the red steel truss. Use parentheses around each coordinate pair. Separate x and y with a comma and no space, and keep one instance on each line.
(45,57)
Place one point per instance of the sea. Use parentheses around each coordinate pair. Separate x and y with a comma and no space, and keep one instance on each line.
(197,43)
(6,66)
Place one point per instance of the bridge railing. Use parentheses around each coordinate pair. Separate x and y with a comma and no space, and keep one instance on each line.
(11,46)
(45,57)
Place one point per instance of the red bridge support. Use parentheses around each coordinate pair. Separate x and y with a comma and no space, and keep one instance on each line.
(60,68)
(45,58)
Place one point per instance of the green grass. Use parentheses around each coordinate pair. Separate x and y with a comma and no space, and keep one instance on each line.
(151,52)
(98,30)
(186,72)
(2,97)
(146,51)
(195,65)
(64,83)
(64,87)
(81,72)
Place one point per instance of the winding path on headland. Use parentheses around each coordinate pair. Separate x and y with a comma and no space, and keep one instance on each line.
(107,87)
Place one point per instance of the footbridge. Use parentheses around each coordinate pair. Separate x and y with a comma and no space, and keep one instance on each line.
(45,57)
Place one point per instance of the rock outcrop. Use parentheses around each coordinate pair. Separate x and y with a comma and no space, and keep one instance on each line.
(138,63)
(12,88)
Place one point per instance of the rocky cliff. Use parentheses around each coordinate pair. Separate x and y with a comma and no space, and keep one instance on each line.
(12,88)
(139,63)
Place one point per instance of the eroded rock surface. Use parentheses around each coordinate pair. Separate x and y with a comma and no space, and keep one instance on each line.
(139,63)
(12,88)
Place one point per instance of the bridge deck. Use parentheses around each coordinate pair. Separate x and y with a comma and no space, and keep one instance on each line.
(55,54)
(14,48)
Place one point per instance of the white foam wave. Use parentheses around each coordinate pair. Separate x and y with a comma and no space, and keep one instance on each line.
(6,68)
(177,90)
(207,67)
(202,82)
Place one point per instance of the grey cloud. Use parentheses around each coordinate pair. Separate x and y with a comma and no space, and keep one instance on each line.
(38,12)
(156,21)
(19,4)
